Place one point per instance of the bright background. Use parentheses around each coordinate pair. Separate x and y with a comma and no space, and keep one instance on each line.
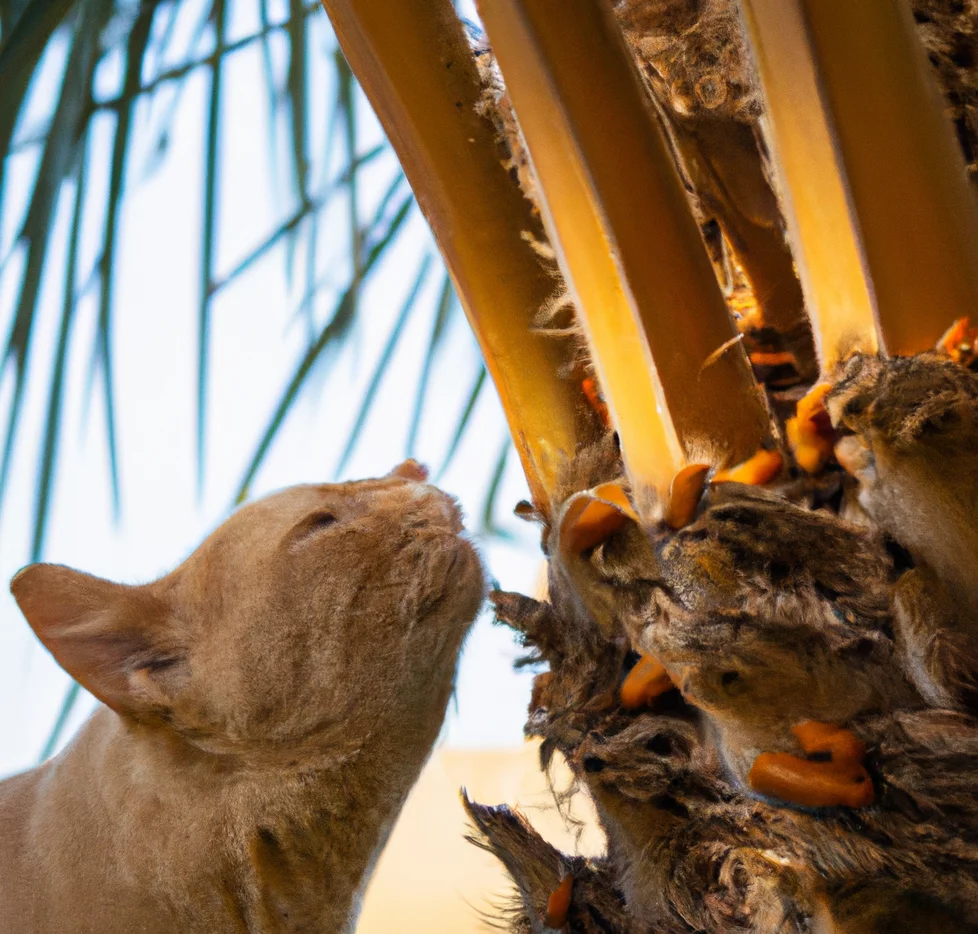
(260,328)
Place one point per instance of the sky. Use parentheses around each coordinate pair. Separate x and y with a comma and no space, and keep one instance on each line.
(257,337)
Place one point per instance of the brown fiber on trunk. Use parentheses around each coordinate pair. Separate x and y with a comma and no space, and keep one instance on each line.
(773,700)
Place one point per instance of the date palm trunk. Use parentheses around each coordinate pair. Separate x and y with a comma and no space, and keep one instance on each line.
(720,258)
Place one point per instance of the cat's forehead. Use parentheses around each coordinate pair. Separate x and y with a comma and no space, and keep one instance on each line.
(258,526)
(262,529)
(295,502)
(269,516)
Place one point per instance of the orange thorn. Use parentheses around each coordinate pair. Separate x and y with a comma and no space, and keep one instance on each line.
(587,523)
(811,784)
(685,494)
(773,358)
(959,342)
(762,468)
(812,404)
(647,680)
(953,336)
(614,494)
(594,515)
(589,386)
(810,433)
(815,737)
(559,903)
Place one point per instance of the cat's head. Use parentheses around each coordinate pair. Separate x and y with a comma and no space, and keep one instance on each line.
(317,616)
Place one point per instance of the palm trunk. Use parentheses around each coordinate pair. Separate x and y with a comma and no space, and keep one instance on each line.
(768,693)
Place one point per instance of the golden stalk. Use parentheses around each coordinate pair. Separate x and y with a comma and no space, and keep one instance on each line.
(628,243)
(820,223)
(417,68)
(883,221)
(721,157)
(907,177)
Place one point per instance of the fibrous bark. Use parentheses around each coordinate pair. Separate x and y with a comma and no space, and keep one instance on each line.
(811,762)
(763,674)
(769,610)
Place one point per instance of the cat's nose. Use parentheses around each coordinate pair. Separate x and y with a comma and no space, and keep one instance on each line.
(447,511)
(433,509)
(410,470)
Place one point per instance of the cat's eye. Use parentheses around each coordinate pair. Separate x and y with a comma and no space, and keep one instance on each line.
(314,523)
(321,520)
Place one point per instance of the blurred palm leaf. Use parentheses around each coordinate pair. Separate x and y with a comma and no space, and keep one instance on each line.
(80,40)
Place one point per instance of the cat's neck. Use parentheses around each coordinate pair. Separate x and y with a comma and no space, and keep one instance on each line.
(253,849)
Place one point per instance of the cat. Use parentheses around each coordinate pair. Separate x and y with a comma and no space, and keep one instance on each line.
(266,707)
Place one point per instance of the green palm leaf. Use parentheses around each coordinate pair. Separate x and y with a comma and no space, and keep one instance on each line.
(143,36)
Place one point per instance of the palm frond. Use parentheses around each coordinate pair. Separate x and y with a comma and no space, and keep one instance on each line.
(489,526)
(136,48)
(59,155)
(463,421)
(154,47)
(338,327)
(446,304)
(26,27)
(383,364)
(209,240)
(45,480)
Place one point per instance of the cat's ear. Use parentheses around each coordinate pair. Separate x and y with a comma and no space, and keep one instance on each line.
(113,639)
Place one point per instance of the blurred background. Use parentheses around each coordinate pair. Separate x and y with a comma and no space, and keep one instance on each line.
(215,282)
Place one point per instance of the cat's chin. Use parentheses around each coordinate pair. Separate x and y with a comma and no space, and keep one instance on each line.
(465,575)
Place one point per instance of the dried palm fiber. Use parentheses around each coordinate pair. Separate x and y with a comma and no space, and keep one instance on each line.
(688,849)
(949,32)
(695,53)
(909,434)
(556,314)
(537,868)
(803,609)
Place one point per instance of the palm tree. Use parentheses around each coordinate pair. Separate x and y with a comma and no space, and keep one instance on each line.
(747,122)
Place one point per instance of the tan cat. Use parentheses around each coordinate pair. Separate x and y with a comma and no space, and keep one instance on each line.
(267,708)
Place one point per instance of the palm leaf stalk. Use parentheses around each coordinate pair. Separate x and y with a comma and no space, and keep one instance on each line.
(720,157)
(628,243)
(879,208)
(416,66)
(708,112)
